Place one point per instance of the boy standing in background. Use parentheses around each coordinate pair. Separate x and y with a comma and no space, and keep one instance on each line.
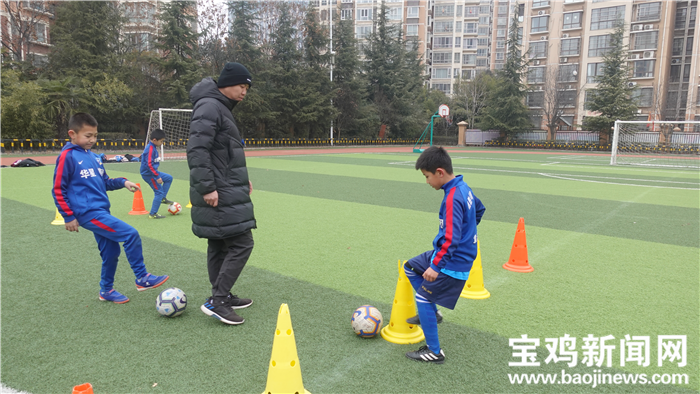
(158,181)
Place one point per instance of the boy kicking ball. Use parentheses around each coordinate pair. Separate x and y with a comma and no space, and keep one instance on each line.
(438,275)
(80,186)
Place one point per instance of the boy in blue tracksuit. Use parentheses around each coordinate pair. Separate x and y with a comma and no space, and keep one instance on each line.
(158,181)
(80,186)
(438,275)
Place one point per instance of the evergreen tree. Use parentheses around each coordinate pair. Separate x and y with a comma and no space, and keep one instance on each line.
(505,110)
(177,43)
(612,98)
(316,93)
(354,116)
(394,77)
(284,76)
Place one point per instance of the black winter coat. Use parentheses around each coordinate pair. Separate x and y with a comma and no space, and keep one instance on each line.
(217,162)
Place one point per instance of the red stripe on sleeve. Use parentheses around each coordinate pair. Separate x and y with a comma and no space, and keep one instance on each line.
(57,190)
(448,227)
(102,225)
(150,160)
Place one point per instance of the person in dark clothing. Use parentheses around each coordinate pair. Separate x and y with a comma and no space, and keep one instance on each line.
(222,211)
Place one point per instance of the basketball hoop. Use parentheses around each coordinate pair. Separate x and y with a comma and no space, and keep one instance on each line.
(444,111)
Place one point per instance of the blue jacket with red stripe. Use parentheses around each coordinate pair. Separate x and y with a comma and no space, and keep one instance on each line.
(80,184)
(150,160)
(454,247)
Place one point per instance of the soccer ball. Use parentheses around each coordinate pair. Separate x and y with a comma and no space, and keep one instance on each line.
(171,302)
(175,208)
(366,321)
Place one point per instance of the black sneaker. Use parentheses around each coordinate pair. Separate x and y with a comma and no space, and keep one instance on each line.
(166,201)
(415,320)
(238,303)
(156,216)
(222,311)
(426,355)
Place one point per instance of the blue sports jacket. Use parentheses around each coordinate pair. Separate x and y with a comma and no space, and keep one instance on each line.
(150,160)
(454,247)
(80,184)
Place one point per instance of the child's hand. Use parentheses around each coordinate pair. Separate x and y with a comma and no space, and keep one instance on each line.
(73,225)
(250,185)
(131,186)
(159,180)
(430,274)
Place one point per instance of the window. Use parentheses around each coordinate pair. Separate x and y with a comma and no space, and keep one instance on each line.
(539,24)
(681,15)
(443,87)
(569,120)
(599,45)
(686,73)
(605,18)
(675,74)
(502,9)
(469,59)
(457,59)
(471,11)
(572,20)
(484,9)
(500,33)
(587,98)
(346,14)
(538,49)
(568,73)
(648,12)
(364,14)
(441,72)
(362,31)
(458,42)
(678,46)
(594,70)
(444,10)
(442,42)
(689,46)
(443,27)
(470,28)
(458,11)
(567,98)
(442,57)
(412,12)
(411,30)
(482,52)
(39,60)
(646,40)
(502,22)
(535,74)
(394,14)
(482,62)
(500,44)
(468,74)
(470,43)
(484,31)
(570,47)
(643,96)
(536,120)
(40,33)
(458,26)
(500,56)
(535,99)
(540,3)
(643,69)
(484,20)
(483,42)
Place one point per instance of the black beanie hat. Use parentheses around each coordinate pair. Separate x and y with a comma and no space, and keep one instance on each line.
(234,74)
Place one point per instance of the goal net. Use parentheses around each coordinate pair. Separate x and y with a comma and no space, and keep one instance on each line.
(656,144)
(176,124)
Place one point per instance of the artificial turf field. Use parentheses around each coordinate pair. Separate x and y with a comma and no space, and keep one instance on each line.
(615,251)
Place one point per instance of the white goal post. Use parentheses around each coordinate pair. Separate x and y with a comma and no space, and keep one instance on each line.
(674,144)
(176,124)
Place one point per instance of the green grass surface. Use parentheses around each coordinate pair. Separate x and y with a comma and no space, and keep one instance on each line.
(616,251)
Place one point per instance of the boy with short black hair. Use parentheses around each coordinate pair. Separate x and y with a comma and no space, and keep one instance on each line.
(438,275)
(80,185)
(158,181)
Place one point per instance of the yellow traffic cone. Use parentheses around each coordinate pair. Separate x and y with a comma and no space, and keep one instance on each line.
(474,288)
(189,204)
(398,331)
(284,374)
(58,221)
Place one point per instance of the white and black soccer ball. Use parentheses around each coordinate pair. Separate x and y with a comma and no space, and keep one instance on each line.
(366,321)
(171,302)
(175,208)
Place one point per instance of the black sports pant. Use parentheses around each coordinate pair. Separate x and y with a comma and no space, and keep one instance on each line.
(225,261)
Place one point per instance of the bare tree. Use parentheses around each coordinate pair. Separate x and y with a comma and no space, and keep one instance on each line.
(560,93)
(473,95)
(23,19)
(213,24)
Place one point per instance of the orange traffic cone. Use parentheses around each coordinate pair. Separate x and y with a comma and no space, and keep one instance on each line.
(518,254)
(137,208)
(85,388)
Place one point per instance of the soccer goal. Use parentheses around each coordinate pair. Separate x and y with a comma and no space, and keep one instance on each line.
(656,144)
(176,124)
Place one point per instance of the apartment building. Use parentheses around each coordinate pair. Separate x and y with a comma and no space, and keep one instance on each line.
(565,40)
(25,29)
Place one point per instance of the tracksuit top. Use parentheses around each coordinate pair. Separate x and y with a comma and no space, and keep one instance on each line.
(454,247)
(150,160)
(80,184)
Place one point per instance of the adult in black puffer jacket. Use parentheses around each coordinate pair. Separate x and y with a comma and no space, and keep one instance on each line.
(220,189)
